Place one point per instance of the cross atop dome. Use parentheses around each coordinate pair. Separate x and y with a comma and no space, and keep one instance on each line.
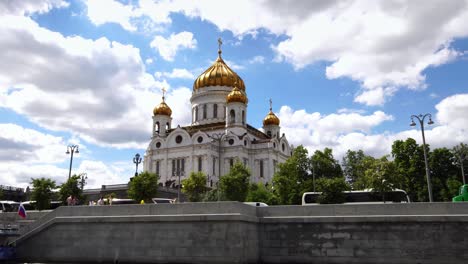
(220,42)
(164,92)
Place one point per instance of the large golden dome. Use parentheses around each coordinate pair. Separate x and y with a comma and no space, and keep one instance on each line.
(236,95)
(219,74)
(162,109)
(271,119)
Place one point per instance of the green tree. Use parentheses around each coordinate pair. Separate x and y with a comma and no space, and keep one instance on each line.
(325,165)
(144,186)
(332,190)
(258,192)
(460,153)
(195,186)
(235,184)
(293,177)
(453,186)
(442,168)
(42,192)
(409,161)
(71,187)
(212,196)
(380,175)
(354,165)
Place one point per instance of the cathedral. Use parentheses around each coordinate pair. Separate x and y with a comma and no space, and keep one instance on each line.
(218,136)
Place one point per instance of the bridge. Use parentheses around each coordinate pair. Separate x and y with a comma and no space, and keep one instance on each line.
(231,232)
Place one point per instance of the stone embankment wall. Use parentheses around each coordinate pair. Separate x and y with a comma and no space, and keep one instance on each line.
(230,232)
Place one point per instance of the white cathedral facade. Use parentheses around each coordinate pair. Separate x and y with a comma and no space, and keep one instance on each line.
(218,135)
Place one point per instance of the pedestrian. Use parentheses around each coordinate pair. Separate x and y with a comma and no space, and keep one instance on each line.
(69,200)
(74,201)
(100,201)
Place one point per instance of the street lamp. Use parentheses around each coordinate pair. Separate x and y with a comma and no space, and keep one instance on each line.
(84,177)
(71,149)
(218,137)
(179,173)
(421,118)
(137,160)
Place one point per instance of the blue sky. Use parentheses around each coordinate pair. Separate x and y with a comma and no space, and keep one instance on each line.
(341,74)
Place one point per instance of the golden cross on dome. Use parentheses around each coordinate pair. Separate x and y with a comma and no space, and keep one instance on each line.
(163,91)
(271,102)
(220,42)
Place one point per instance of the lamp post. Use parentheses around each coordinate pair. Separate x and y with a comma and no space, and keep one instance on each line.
(218,137)
(179,173)
(70,150)
(137,160)
(84,177)
(421,118)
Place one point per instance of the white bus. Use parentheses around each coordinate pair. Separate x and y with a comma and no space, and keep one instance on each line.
(362,197)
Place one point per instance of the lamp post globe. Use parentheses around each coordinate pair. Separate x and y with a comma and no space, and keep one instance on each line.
(421,118)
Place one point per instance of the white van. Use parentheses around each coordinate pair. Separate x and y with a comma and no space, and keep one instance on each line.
(9,206)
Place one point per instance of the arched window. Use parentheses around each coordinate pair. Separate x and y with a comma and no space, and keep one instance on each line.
(168,126)
(157,127)
(269,133)
(261,168)
(196,113)
(200,164)
(215,111)
(204,111)
(243,117)
(232,116)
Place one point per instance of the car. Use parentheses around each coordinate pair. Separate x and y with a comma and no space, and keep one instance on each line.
(259,204)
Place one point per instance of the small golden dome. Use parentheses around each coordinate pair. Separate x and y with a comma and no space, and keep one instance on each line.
(219,74)
(236,95)
(271,119)
(162,109)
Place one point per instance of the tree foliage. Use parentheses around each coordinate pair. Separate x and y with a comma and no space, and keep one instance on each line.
(442,170)
(143,187)
(332,190)
(293,177)
(258,192)
(71,187)
(460,153)
(195,186)
(235,184)
(42,192)
(324,165)
(409,161)
(354,165)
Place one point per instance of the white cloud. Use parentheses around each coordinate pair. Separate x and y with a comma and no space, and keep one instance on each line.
(176,73)
(149,61)
(257,59)
(453,112)
(109,11)
(383,45)
(29,7)
(57,82)
(168,48)
(356,131)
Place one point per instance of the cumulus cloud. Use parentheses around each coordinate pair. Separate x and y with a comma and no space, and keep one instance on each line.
(257,59)
(176,74)
(91,88)
(354,130)
(29,7)
(168,48)
(383,45)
